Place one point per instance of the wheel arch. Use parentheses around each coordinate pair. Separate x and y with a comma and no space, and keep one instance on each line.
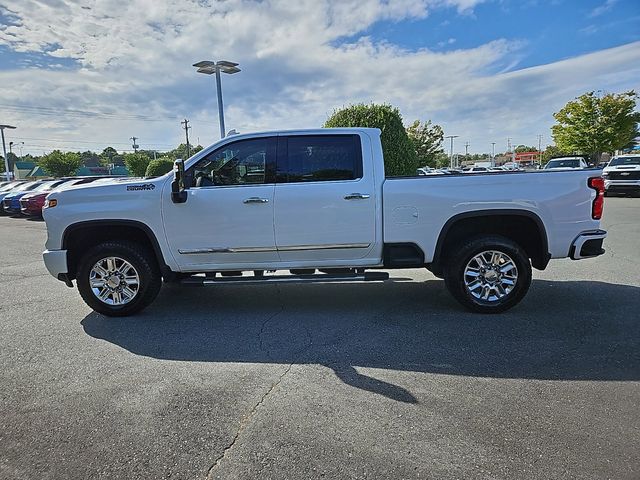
(522,226)
(80,236)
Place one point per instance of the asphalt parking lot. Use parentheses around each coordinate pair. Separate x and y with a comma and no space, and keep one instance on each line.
(324,381)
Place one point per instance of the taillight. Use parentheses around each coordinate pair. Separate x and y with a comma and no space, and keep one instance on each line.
(597,183)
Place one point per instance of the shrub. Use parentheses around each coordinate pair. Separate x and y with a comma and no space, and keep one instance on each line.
(159,167)
(399,153)
(60,164)
(136,163)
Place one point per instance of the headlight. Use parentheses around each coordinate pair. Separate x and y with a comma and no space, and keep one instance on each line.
(50,203)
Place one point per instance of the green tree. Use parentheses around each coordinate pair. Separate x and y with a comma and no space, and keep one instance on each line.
(136,163)
(593,124)
(524,148)
(441,160)
(58,164)
(552,151)
(427,141)
(159,167)
(110,155)
(90,159)
(181,151)
(399,154)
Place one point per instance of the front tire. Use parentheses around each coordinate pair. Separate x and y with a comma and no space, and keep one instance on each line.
(118,279)
(488,274)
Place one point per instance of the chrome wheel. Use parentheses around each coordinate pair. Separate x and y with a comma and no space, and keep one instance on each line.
(114,281)
(490,276)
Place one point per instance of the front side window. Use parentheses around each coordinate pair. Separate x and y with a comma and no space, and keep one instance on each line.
(246,162)
(313,158)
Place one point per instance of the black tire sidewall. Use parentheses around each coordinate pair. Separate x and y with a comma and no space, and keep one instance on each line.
(139,258)
(454,273)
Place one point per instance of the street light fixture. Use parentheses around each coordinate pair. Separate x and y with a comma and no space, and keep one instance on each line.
(4,148)
(208,67)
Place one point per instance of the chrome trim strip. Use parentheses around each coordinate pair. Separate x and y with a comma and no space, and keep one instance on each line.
(291,248)
(335,246)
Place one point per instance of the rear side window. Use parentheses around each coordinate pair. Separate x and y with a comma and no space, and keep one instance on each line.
(320,158)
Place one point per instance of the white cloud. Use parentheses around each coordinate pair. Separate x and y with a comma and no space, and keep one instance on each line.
(602,9)
(133,68)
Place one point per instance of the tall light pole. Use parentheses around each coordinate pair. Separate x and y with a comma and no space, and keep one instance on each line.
(451,154)
(4,148)
(208,67)
(493,154)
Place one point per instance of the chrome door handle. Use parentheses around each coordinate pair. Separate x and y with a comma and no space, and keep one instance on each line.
(357,196)
(255,200)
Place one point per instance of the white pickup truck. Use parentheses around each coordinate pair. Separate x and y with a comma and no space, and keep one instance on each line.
(316,203)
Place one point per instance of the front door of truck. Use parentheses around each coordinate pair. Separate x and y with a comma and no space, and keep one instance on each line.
(227,220)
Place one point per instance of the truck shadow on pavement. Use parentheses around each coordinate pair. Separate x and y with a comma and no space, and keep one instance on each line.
(577,330)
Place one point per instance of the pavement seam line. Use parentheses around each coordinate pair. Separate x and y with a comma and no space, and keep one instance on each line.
(246,420)
(244,423)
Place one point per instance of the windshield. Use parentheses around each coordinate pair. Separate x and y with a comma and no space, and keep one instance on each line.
(566,163)
(47,186)
(25,187)
(624,161)
(9,186)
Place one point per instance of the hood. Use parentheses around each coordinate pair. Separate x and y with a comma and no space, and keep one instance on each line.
(622,168)
(110,190)
(563,168)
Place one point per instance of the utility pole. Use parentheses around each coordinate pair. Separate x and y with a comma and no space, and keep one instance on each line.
(493,154)
(186,127)
(539,149)
(135,145)
(466,149)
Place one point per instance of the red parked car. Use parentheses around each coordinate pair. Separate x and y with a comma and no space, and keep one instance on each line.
(32,203)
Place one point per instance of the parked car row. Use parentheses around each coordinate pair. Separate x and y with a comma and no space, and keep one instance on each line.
(27,198)
(423,171)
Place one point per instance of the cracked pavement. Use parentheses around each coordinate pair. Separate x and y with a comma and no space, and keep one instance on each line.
(324,381)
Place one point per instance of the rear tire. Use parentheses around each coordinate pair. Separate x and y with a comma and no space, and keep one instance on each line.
(488,274)
(118,278)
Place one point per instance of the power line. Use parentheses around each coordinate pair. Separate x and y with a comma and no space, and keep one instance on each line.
(55,140)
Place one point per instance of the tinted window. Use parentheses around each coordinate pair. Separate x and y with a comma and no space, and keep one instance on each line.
(245,162)
(314,158)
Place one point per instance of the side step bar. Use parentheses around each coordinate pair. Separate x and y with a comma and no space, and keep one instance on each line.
(318,278)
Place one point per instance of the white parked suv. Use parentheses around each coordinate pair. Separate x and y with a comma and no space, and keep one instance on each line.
(316,203)
(622,175)
(566,163)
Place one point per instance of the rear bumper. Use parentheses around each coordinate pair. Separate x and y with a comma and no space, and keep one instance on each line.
(56,263)
(588,245)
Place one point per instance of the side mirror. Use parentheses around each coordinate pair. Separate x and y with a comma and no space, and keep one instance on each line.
(178,189)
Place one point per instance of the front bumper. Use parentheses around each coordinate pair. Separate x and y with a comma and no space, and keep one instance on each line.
(588,245)
(621,186)
(56,263)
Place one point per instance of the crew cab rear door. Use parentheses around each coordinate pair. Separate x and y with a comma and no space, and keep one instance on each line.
(325,199)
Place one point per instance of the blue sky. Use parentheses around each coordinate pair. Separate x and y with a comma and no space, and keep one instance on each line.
(81,74)
(549,30)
